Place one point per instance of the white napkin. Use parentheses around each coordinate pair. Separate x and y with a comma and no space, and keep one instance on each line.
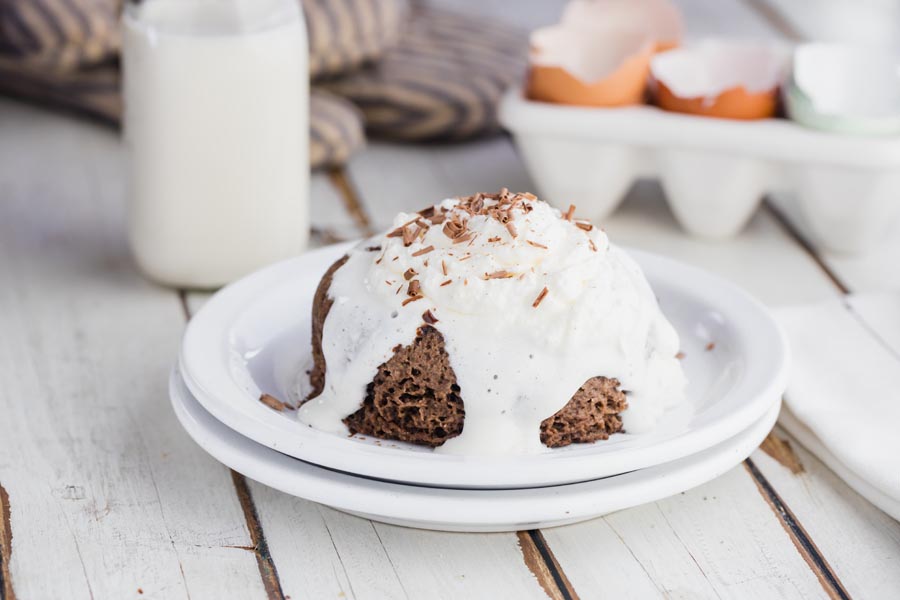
(843,400)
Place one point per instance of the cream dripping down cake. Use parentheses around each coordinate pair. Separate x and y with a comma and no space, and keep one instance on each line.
(491,324)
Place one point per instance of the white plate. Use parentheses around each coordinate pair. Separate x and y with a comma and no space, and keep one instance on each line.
(457,509)
(254,336)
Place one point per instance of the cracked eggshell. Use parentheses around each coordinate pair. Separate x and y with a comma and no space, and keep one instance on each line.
(588,68)
(730,80)
(845,89)
(659,19)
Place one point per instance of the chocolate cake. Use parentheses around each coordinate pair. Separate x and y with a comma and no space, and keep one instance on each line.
(458,328)
(415,398)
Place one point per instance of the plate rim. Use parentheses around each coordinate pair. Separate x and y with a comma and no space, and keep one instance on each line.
(221,396)
(459,509)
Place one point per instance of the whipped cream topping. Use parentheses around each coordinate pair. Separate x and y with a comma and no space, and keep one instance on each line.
(531,303)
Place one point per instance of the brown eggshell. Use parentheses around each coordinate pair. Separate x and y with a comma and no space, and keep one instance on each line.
(733,103)
(624,86)
(729,79)
(589,68)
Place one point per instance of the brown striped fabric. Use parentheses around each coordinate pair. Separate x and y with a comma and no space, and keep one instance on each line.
(345,34)
(335,129)
(442,81)
(59,35)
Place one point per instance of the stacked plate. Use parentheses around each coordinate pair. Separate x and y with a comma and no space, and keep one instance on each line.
(253,338)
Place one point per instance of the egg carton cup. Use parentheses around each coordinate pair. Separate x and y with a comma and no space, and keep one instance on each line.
(714,172)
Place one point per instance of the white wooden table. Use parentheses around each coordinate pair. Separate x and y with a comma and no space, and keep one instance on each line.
(102,495)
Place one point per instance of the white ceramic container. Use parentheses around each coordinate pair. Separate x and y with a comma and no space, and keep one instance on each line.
(715,172)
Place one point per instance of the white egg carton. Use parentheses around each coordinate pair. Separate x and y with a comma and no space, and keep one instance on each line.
(714,171)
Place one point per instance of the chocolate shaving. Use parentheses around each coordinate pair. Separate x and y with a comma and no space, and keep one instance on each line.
(499,275)
(373,248)
(680,355)
(409,236)
(412,299)
(592,244)
(536,245)
(438,219)
(274,403)
(569,213)
(444,268)
(464,238)
(425,250)
(453,228)
(512,229)
(409,274)
(710,346)
(540,297)
(427,212)
(448,282)
(494,239)
(583,225)
(414,288)
(429,318)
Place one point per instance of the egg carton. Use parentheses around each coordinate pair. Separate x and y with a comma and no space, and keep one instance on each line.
(714,172)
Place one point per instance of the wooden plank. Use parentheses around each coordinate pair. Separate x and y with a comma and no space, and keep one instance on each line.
(321,552)
(718,540)
(861,542)
(105,493)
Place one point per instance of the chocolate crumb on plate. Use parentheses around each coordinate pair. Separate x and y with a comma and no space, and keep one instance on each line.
(274,403)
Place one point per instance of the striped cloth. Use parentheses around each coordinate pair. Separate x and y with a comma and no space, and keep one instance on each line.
(442,81)
(416,74)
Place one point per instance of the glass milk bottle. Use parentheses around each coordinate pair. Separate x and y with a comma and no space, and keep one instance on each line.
(216,122)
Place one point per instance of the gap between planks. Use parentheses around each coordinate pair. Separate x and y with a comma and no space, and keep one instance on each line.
(267,570)
(801,539)
(6,589)
(543,565)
